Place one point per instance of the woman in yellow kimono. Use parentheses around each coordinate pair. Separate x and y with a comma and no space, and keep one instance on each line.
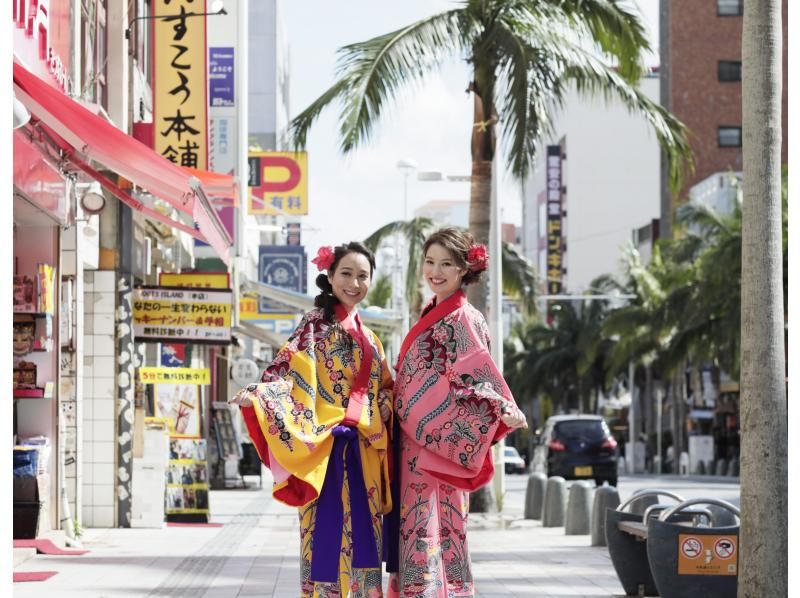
(318,420)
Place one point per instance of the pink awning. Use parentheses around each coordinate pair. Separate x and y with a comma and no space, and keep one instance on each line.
(86,137)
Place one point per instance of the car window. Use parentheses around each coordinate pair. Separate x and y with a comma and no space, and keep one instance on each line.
(511,452)
(588,430)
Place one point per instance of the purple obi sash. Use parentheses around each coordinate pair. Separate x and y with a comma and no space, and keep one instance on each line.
(329,518)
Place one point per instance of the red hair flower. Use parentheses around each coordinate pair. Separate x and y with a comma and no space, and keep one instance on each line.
(477,258)
(324,259)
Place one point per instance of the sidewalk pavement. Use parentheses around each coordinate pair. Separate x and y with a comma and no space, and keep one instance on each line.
(256,552)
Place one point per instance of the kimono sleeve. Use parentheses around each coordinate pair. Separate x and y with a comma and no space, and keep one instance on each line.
(458,433)
(287,443)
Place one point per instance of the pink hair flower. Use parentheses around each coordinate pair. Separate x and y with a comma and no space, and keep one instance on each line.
(324,259)
(477,258)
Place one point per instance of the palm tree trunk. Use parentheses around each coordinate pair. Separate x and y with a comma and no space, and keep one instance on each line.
(764,472)
(483,144)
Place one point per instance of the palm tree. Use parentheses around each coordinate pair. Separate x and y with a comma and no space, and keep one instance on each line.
(414,232)
(764,472)
(525,56)
(380,294)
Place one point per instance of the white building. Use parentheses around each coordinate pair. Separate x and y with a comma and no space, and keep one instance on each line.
(268,114)
(610,173)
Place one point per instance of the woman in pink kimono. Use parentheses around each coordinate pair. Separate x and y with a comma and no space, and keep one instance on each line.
(451,405)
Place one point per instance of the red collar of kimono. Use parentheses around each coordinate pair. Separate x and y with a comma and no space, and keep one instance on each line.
(359,393)
(452,303)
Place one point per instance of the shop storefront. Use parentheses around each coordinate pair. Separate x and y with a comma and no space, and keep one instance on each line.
(145,194)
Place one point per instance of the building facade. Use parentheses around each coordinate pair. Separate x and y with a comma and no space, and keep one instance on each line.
(701,84)
(575,226)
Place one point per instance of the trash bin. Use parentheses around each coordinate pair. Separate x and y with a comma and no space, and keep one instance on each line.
(690,561)
(629,553)
(26,493)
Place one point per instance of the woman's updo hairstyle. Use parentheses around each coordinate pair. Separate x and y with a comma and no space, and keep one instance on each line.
(461,245)
(326,299)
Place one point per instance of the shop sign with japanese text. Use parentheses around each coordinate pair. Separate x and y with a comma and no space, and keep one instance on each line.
(174,375)
(162,314)
(220,76)
(555,252)
(179,91)
(207,280)
(278,180)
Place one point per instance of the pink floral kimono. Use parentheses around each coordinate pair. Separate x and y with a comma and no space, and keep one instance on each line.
(448,395)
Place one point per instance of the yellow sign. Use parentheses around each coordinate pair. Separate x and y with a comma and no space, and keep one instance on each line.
(179,90)
(278,180)
(175,376)
(208,280)
(707,555)
(182,315)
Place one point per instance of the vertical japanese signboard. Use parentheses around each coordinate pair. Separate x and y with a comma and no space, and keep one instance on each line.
(555,253)
(278,180)
(179,91)
(220,77)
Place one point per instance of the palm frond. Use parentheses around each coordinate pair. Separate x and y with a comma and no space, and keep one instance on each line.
(377,68)
(618,31)
(519,277)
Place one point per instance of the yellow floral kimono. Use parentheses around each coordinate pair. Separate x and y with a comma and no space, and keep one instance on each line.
(315,422)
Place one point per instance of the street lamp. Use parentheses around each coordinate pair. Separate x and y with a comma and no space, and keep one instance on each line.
(407,166)
(217,8)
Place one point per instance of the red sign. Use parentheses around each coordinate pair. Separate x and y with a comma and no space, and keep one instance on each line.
(42,39)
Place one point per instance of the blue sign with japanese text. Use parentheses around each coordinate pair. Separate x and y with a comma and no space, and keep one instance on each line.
(220,77)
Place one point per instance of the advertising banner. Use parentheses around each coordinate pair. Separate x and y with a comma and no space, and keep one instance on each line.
(196,280)
(220,77)
(179,89)
(555,253)
(187,478)
(278,180)
(170,375)
(162,314)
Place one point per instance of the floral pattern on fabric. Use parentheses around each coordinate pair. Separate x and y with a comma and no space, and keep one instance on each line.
(434,558)
(448,400)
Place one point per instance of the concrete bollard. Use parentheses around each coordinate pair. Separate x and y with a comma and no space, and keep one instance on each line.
(700,468)
(683,463)
(711,467)
(605,497)
(555,499)
(534,495)
(733,469)
(621,466)
(722,467)
(579,509)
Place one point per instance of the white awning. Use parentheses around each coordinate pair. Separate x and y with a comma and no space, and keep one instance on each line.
(379,320)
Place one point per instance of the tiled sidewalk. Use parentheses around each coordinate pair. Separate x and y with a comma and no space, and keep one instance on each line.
(255,554)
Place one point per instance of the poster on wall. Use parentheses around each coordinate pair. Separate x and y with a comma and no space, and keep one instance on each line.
(179,404)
